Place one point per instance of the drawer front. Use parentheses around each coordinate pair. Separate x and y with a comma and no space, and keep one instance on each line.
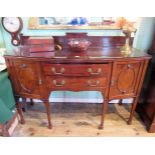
(77,70)
(70,83)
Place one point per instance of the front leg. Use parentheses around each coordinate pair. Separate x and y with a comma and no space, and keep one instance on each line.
(24,104)
(104,109)
(134,104)
(19,109)
(120,102)
(31,102)
(48,111)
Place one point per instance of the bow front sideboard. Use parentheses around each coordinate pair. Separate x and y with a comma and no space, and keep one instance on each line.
(103,67)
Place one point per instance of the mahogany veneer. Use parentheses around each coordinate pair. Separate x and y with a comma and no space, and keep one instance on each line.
(102,68)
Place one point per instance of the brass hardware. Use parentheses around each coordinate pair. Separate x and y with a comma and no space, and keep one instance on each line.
(127,30)
(90,83)
(60,84)
(123,91)
(58,47)
(62,70)
(90,70)
(112,82)
(129,66)
(126,49)
(23,65)
(77,56)
(40,81)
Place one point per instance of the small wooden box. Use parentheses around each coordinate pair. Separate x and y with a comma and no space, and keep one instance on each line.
(41,44)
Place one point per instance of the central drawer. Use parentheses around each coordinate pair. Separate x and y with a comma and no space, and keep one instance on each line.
(77,69)
(74,83)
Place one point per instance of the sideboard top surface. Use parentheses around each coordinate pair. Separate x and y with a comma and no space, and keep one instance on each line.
(101,48)
(92,53)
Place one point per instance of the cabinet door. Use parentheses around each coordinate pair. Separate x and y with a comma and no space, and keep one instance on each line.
(26,77)
(125,79)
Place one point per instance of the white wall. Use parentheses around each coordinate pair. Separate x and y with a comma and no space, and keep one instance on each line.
(144,34)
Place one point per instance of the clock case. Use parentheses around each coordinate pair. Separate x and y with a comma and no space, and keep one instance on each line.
(14,35)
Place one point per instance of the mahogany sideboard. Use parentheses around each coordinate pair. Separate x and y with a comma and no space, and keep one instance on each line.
(103,67)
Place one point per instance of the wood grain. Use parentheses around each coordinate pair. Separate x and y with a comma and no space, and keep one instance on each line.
(102,68)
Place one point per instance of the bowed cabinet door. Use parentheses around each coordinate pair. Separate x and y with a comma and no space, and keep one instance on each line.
(125,79)
(25,76)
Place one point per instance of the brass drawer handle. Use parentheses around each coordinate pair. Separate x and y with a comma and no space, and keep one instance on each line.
(90,70)
(62,70)
(123,91)
(23,65)
(93,84)
(40,81)
(59,84)
(129,66)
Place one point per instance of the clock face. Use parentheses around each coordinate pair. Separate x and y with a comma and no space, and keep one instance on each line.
(11,24)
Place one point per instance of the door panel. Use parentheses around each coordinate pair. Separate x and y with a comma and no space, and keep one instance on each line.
(26,77)
(124,79)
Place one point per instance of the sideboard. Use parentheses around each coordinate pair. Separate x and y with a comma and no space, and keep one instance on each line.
(103,67)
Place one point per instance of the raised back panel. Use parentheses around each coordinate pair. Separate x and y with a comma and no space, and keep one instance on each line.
(96,41)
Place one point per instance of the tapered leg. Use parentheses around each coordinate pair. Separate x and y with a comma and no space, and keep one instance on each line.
(120,101)
(31,102)
(134,104)
(5,131)
(24,105)
(48,111)
(104,109)
(19,109)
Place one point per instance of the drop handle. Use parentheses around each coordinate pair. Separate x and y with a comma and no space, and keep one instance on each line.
(93,84)
(124,91)
(112,83)
(59,84)
(90,70)
(23,65)
(129,66)
(62,70)
(40,82)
